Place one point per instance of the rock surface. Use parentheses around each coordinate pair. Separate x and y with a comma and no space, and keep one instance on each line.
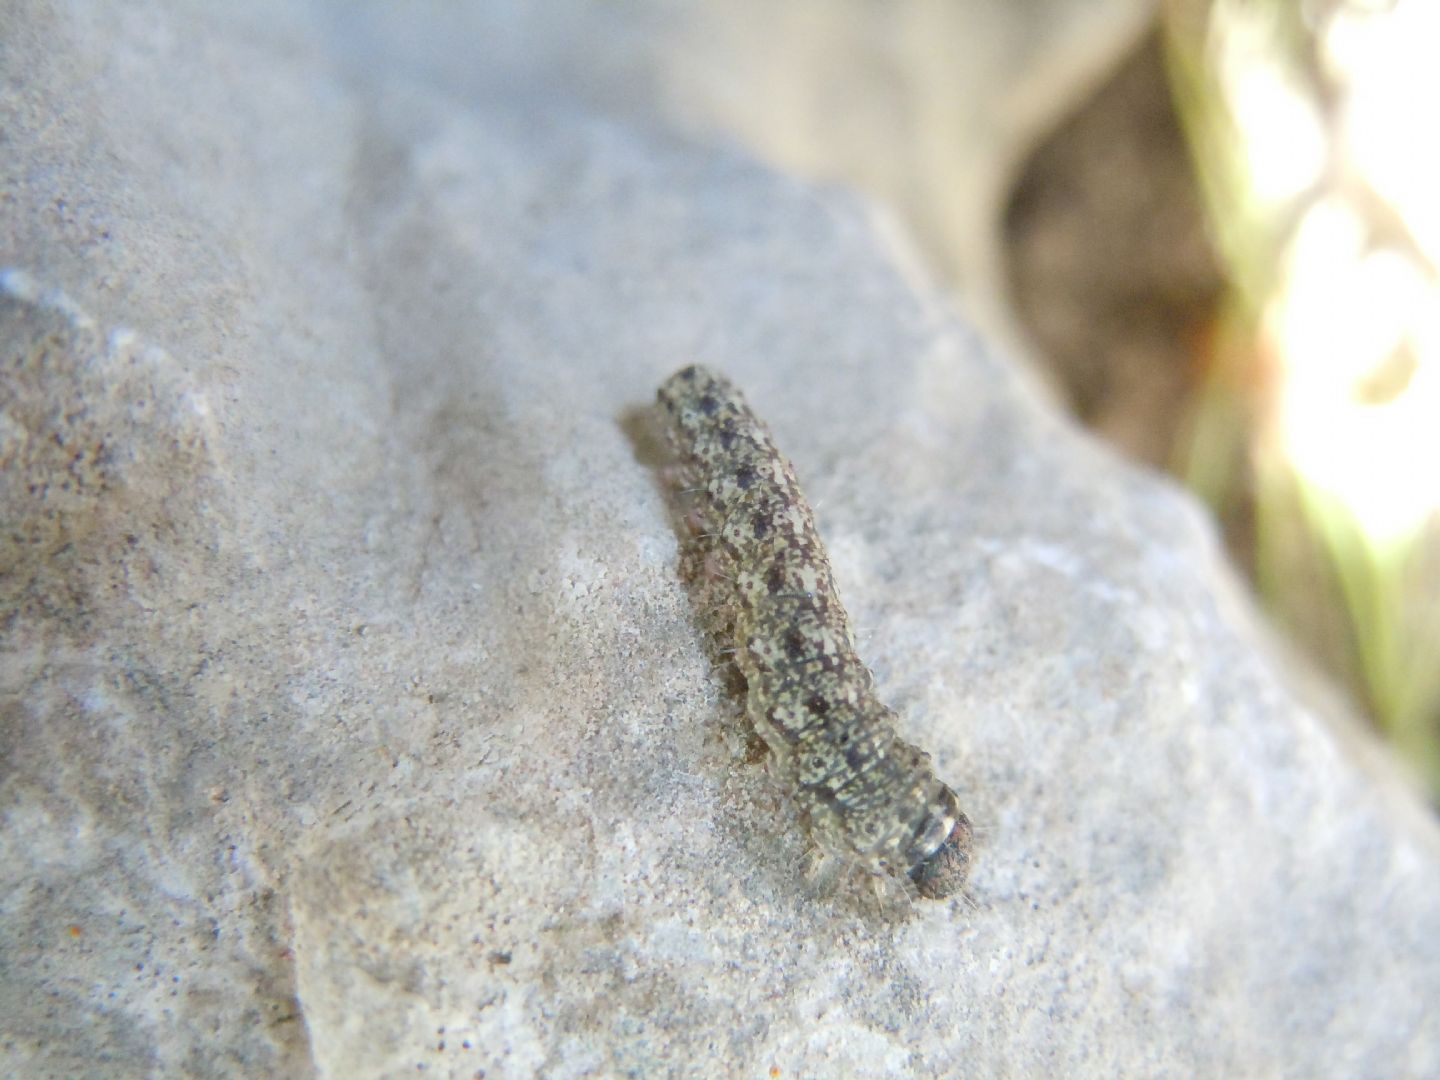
(354,721)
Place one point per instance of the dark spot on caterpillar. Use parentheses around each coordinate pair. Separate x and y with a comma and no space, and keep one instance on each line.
(775,581)
(855,757)
(796,644)
(761,525)
(708,405)
(745,477)
(727,437)
(817,704)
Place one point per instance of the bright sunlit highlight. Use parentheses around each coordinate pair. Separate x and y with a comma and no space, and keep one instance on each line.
(1355,320)
(1388,64)
(1359,416)
(1284,145)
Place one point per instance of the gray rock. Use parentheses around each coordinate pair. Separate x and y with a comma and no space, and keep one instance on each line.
(354,721)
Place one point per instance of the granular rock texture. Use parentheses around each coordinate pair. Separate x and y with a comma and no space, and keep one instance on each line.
(354,722)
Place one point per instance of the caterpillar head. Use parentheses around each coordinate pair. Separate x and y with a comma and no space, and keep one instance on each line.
(944,871)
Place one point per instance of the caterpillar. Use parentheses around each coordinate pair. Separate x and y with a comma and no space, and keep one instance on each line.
(761,583)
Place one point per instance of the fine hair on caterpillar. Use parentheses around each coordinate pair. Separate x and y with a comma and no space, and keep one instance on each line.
(761,584)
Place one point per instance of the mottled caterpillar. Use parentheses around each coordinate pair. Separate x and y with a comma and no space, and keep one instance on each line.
(761,581)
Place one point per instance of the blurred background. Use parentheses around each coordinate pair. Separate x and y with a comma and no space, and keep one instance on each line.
(1227,256)
(1212,225)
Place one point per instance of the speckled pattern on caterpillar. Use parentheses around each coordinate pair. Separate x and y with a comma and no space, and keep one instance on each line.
(761,582)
